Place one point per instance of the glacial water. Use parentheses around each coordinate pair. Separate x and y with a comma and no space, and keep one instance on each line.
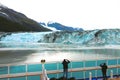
(53,52)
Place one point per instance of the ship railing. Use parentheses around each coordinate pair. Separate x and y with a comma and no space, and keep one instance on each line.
(12,70)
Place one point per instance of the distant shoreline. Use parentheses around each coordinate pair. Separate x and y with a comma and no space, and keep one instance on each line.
(57,48)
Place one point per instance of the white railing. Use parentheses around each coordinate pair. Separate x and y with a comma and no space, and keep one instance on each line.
(83,69)
(55,72)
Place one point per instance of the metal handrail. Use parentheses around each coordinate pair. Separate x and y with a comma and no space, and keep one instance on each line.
(71,69)
(54,71)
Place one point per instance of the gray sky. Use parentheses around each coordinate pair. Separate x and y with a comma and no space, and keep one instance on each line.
(87,14)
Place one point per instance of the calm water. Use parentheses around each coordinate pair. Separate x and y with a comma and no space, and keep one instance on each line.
(27,53)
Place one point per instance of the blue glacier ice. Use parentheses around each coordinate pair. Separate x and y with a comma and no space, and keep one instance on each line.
(82,38)
(91,37)
(32,37)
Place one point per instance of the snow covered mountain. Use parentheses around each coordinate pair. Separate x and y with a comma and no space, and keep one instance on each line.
(58,26)
(87,38)
(12,21)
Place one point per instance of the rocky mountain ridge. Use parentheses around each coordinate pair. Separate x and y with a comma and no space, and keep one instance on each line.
(13,21)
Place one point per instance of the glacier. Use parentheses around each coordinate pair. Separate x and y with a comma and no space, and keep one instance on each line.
(27,47)
(89,38)
(24,37)
(82,38)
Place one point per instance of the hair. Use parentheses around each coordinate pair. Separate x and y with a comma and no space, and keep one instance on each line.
(62,78)
(104,63)
(53,78)
(72,78)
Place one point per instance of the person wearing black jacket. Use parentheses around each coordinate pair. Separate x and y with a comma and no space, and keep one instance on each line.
(104,70)
(65,67)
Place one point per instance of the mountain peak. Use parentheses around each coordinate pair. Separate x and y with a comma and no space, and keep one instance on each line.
(58,26)
(13,21)
(51,22)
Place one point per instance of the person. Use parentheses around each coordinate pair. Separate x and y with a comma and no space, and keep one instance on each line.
(53,78)
(104,70)
(65,67)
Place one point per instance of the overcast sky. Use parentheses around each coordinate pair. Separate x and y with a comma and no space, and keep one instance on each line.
(87,14)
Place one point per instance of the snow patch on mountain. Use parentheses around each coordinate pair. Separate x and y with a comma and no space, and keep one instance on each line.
(45,25)
(4,13)
(53,29)
(55,26)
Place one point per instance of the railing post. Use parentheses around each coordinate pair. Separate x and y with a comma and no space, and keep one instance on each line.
(57,68)
(84,67)
(8,71)
(71,68)
(90,76)
(26,66)
(41,77)
(111,74)
(107,64)
(96,70)
(117,65)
